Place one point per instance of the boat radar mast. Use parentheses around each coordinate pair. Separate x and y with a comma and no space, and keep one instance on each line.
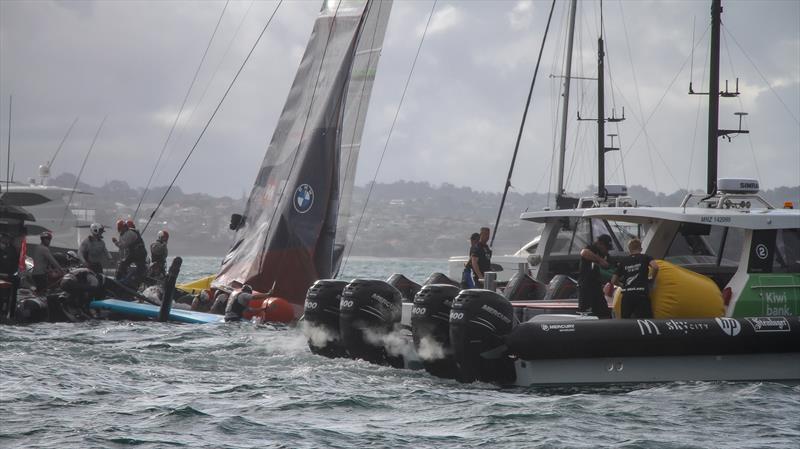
(602,149)
(714,133)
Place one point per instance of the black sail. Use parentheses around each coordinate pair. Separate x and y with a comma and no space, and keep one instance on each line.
(294,226)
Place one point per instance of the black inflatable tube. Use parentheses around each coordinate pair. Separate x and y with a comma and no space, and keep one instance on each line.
(651,337)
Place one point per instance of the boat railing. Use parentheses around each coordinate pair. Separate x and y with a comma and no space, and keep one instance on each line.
(726,201)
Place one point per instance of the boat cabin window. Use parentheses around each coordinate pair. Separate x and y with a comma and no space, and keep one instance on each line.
(695,244)
(787,251)
(775,251)
(731,252)
(573,236)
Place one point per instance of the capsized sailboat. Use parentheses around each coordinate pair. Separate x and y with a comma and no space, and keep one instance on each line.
(294,226)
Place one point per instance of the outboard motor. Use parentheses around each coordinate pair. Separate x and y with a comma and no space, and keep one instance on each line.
(440,278)
(522,287)
(406,286)
(369,311)
(561,287)
(321,317)
(430,327)
(479,323)
(32,310)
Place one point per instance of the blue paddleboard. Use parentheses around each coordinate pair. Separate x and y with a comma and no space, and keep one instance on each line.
(139,310)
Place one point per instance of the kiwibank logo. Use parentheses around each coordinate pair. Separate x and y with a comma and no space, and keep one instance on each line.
(729,325)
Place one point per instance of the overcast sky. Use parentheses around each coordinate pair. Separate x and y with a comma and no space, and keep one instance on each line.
(134,61)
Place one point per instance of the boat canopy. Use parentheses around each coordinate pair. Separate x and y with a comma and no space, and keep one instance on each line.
(734,218)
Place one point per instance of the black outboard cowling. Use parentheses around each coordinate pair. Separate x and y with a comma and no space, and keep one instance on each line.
(561,287)
(440,278)
(430,327)
(408,288)
(32,310)
(369,311)
(479,322)
(522,287)
(321,317)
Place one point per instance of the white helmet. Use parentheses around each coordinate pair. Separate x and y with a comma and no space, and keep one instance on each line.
(96,229)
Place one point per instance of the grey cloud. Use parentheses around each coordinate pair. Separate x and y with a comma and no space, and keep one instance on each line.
(134,60)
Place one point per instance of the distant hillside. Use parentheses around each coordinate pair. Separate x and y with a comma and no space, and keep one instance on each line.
(403,219)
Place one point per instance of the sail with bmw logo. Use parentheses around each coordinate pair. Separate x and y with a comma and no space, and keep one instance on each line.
(294,228)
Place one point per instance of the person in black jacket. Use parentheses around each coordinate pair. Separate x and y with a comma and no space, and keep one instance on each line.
(480,256)
(631,275)
(590,290)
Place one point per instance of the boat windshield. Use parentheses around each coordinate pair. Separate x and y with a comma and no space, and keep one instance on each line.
(787,258)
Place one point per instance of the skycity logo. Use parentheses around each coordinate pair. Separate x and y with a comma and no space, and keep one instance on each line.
(303,198)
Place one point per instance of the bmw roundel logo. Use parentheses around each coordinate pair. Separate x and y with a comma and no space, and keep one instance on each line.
(303,198)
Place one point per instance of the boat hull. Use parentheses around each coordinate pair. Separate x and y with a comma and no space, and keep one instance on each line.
(618,370)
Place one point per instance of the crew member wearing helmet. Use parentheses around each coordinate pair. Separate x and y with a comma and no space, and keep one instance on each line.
(158,256)
(93,252)
(43,263)
(132,251)
(240,301)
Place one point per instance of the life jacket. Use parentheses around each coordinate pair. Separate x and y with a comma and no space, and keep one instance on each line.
(138,249)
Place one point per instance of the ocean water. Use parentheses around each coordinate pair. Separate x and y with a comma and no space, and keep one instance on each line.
(124,384)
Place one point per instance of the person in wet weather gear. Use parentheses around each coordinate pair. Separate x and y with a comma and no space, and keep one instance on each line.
(132,252)
(93,252)
(631,276)
(480,256)
(240,301)
(590,289)
(158,257)
(82,285)
(44,263)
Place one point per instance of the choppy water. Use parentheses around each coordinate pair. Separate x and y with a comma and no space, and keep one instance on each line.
(117,384)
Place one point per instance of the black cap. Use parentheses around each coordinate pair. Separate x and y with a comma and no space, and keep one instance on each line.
(605,239)
(475,236)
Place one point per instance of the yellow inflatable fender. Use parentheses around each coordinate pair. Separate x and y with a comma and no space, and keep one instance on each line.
(680,293)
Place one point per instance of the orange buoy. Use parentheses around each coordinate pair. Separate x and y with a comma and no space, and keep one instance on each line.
(276,310)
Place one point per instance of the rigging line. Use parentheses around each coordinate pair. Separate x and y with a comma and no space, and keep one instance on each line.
(697,115)
(522,125)
(184,125)
(556,100)
(358,114)
(180,111)
(638,96)
(302,133)
(741,108)
(8,148)
(210,119)
(763,78)
(614,106)
(63,139)
(389,136)
(80,173)
(657,106)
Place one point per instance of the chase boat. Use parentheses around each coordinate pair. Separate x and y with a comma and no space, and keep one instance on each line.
(725,303)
